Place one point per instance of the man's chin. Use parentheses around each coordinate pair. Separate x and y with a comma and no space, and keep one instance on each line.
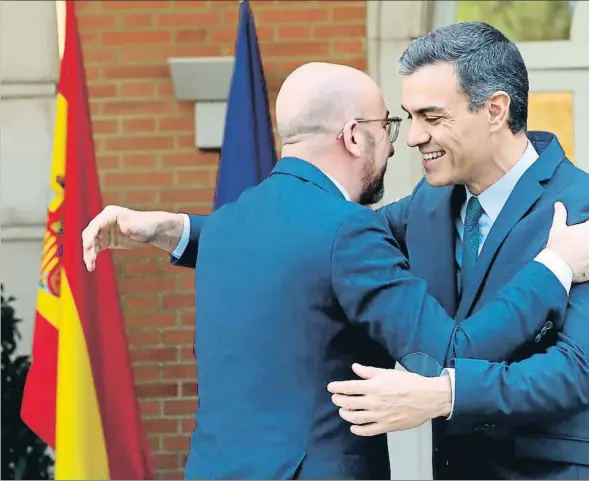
(436,179)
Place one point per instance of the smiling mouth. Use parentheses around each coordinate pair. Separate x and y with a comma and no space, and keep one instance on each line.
(431,156)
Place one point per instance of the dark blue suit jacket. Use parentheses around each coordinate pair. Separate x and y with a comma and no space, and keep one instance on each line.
(508,417)
(294,284)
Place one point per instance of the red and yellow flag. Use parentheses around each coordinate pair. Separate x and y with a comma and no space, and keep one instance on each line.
(79,395)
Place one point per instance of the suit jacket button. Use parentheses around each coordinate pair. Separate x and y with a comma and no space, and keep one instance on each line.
(549,325)
(538,338)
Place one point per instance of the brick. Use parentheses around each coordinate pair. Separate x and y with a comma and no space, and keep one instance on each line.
(157,390)
(181,159)
(186,370)
(356,13)
(298,49)
(178,337)
(177,301)
(348,46)
(146,373)
(201,177)
(143,337)
(187,353)
(137,126)
(140,179)
(140,303)
(298,15)
(155,354)
(175,443)
(140,107)
(150,408)
(296,33)
(192,35)
(189,20)
(137,20)
(188,389)
(154,319)
(154,444)
(162,461)
(175,124)
(180,407)
(135,71)
(186,319)
(136,37)
(139,161)
(169,474)
(187,425)
(161,426)
(103,126)
(96,22)
(331,31)
(135,5)
(139,196)
(99,56)
(141,90)
(181,195)
(107,162)
(140,143)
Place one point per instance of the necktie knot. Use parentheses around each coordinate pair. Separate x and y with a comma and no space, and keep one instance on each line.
(474,211)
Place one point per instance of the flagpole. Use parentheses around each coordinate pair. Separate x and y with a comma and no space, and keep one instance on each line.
(60,15)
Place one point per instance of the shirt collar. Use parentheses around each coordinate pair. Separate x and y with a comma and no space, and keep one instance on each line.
(495,196)
(339,186)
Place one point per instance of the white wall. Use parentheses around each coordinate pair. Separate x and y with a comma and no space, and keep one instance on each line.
(28,75)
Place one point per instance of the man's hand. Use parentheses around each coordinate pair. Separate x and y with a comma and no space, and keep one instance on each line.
(386,400)
(571,243)
(121,228)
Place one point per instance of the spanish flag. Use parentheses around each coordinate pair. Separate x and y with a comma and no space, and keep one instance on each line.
(79,395)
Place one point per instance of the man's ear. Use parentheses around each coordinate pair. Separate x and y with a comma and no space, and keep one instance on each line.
(498,110)
(350,138)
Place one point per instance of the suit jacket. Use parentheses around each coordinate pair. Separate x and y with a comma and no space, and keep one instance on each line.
(294,284)
(508,417)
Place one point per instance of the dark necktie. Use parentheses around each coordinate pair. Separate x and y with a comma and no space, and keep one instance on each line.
(470,239)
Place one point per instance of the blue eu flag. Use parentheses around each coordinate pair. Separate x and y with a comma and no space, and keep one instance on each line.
(247,154)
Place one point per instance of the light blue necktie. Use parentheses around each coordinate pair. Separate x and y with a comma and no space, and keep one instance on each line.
(470,239)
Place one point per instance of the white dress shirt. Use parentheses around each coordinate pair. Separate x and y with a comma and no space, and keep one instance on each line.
(492,200)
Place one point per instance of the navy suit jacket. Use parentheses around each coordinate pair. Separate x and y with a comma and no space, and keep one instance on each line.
(294,284)
(536,409)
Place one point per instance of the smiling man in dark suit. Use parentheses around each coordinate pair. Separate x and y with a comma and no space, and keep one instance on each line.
(476,218)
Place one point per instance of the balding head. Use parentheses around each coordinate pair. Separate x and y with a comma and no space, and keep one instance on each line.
(319,98)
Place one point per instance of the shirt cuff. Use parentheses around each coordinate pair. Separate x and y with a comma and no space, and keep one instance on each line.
(558,267)
(450,372)
(184,238)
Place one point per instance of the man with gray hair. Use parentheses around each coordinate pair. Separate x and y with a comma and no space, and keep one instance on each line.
(478,215)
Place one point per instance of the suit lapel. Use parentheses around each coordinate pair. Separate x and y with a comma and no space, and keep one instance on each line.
(525,194)
(435,261)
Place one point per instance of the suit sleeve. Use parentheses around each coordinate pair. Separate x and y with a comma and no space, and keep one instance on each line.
(546,386)
(376,290)
(396,217)
(188,257)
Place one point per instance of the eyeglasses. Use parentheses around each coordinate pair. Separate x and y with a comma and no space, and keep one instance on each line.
(391,124)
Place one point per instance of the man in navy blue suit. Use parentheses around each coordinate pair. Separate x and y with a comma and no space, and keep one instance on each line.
(489,183)
(295,283)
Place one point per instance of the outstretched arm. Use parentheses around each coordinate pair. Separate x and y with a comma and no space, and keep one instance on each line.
(186,251)
(546,386)
(375,288)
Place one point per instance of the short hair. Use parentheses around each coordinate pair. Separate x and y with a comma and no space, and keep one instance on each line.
(485,60)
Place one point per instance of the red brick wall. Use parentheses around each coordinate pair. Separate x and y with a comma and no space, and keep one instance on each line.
(146,158)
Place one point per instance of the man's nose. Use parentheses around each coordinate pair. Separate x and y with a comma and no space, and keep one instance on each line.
(417,135)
